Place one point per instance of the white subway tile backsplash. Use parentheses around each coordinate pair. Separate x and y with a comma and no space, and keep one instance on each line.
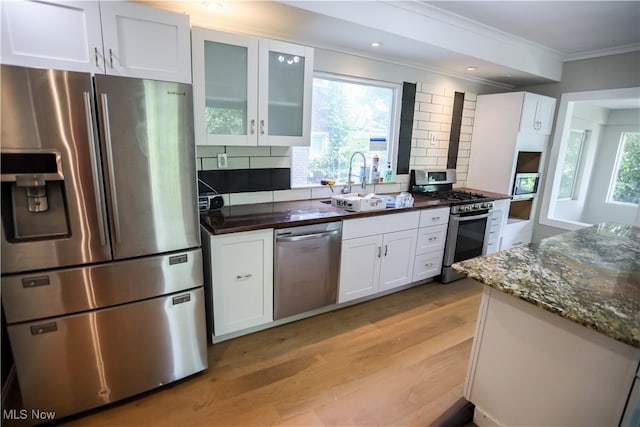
(431,108)
(288,195)
(238,163)
(325,192)
(468,105)
(280,151)
(421,116)
(431,88)
(420,134)
(248,151)
(209,163)
(440,118)
(443,100)
(391,187)
(466,129)
(269,162)
(402,178)
(249,198)
(419,152)
(423,97)
(209,150)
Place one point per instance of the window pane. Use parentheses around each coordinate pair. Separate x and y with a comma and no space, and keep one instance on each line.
(571,164)
(626,187)
(226,89)
(286,94)
(346,117)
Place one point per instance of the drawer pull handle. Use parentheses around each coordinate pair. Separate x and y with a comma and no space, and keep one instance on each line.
(435,218)
(429,265)
(178,259)
(181,298)
(431,239)
(44,328)
(243,276)
(32,282)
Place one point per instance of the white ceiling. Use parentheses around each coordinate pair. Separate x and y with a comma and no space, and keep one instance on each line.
(574,28)
(512,43)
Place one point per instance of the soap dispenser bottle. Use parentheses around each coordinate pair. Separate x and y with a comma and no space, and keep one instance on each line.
(388,173)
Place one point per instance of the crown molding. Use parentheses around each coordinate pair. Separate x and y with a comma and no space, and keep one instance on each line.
(634,47)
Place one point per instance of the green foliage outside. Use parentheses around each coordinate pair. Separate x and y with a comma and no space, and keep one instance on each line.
(627,186)
(349,114)
(224,121)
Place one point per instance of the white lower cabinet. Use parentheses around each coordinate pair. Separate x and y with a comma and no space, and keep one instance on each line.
(378,254)
(516,233)
(242,280)
(497,220)
(430,246)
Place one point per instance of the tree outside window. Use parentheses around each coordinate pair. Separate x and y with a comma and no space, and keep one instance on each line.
(347,116)
(625,186)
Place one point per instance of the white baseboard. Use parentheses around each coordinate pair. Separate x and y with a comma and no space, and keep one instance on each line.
(483,420)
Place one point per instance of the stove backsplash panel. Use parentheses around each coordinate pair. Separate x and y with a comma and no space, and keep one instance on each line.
(246,180)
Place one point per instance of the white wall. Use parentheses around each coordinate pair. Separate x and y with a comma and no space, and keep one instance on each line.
(597,209)
(585,117)
(608,72)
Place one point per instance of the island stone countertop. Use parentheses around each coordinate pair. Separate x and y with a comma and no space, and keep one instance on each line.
(590,276)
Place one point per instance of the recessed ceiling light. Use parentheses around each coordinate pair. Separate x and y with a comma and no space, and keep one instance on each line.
(376,44)
(212,5)
(472,68)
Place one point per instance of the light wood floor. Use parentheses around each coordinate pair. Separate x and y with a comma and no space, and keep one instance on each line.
(396,360)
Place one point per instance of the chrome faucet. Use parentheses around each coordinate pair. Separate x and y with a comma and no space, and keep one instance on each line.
(347,187)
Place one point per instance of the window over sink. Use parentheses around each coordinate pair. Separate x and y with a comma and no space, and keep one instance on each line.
(348,115)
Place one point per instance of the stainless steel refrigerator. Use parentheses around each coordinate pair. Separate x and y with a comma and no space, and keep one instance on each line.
(101,260)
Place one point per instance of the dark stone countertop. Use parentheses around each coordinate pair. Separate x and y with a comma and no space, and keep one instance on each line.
(590,276)
(232,219)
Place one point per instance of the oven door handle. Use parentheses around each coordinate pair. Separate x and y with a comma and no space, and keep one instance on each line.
(459,218)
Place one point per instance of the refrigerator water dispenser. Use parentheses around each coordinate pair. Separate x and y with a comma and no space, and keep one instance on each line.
(33,201)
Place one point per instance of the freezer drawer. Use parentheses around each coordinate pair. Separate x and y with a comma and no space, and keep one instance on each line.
(73,363)
(39,295)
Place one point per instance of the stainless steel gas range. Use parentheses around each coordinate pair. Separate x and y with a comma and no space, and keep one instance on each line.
(468,232)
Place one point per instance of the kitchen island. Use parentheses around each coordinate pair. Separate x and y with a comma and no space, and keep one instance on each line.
(558,333)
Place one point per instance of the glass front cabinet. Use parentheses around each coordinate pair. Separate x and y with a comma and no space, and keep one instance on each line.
(250,91)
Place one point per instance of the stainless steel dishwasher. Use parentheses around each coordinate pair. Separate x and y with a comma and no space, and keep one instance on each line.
(306,269)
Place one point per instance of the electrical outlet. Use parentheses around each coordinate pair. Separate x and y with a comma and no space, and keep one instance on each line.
(222,161)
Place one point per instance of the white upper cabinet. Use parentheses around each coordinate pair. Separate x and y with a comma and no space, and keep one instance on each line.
(145,42)
(250,91)
(60,35)
(139,41)
(537,113)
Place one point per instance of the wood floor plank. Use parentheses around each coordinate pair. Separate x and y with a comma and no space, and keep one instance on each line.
(396,360)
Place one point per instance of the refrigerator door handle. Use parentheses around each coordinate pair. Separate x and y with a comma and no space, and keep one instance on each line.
(112,178)
(94,159)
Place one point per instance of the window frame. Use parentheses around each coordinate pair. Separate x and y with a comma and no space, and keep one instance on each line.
(577,176)
(394,128)
(622,143)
